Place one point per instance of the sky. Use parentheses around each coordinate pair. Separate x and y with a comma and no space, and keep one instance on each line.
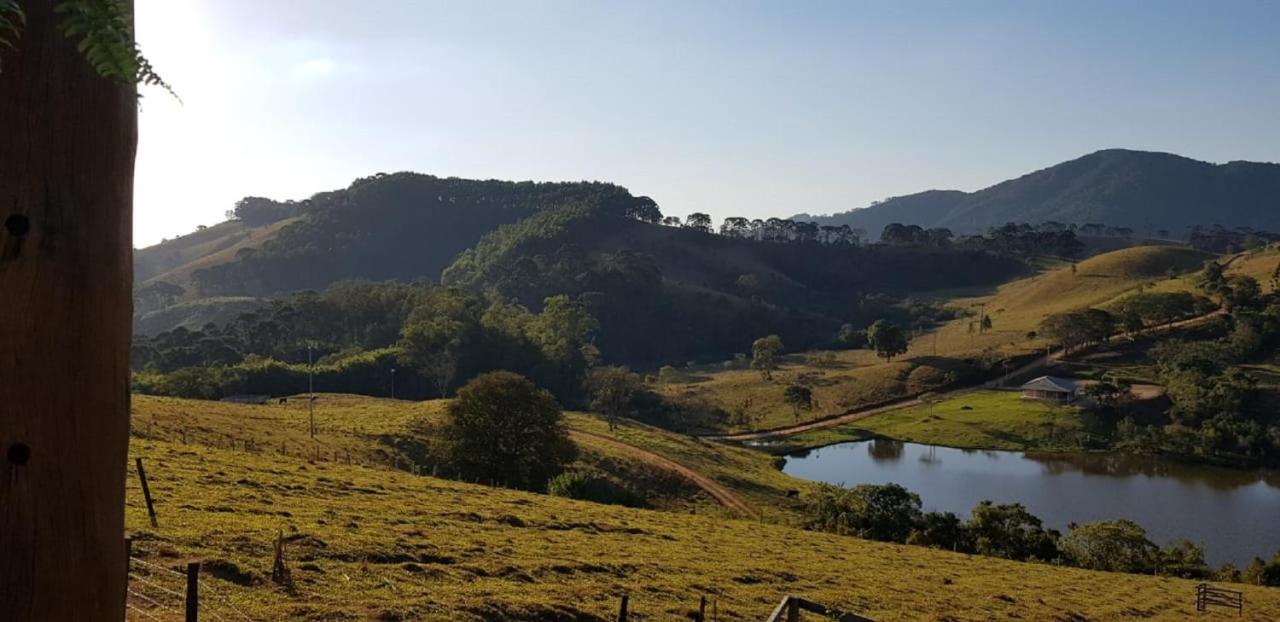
(734,108)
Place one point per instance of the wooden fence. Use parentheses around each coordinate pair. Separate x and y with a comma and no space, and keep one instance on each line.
(789,611)
(1210,596)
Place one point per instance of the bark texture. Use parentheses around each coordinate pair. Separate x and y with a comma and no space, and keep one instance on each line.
(66,191)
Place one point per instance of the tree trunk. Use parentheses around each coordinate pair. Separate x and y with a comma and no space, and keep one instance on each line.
(66,192)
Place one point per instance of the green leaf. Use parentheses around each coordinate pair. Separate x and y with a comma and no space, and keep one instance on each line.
(105,39)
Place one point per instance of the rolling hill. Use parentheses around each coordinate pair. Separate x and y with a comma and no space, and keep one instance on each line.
(368,543)
(857,378)
(1145,191)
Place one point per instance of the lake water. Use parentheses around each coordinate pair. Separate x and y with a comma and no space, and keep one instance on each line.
(1234,513)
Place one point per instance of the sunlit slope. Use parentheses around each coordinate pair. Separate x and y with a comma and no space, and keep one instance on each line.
(387,433)
(174,261)
(856,378)
(1018,308)
(368,543)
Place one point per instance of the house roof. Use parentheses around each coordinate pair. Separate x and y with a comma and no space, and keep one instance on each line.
(1052,384)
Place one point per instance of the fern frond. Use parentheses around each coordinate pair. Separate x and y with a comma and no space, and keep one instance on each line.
(105,38)
(11,21)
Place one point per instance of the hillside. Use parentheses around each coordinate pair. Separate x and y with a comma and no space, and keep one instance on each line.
(1147,192)
(403,226)
(365,543)
(388,433)
(849,379)
(670,294)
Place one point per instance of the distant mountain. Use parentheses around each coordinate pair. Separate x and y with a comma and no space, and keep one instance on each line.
(1145,191)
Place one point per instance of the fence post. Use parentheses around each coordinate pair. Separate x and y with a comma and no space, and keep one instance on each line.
(128,563)
(193,592)
(146,492)
(793,610)
(702,608)
(622,609)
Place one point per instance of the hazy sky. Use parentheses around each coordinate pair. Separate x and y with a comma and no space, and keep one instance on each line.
(733,108)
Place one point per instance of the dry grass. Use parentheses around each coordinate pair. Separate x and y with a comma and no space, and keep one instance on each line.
(368,543)
(382,432)
(858,378)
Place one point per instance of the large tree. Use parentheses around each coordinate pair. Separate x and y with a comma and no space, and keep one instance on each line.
(764,355)
(887,339)
(503,429)
(68,103)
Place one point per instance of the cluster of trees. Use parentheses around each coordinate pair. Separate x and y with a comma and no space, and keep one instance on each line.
(1074,329)
(353,334)
(898,234)
(1219,239)
(891,513)
(776,230)
(1012,239)
(1218,414)
(1021,239)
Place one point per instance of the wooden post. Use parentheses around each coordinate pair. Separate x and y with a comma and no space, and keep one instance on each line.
(66,272)
(146,493)
(622,609)
(193,592)
(128,563)
(715,610)
(702,609)
(793,610)
(279,570)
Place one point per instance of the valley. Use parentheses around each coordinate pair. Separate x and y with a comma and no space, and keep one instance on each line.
(773,375)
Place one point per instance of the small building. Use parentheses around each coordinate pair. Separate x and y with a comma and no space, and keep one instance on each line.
(1050,389)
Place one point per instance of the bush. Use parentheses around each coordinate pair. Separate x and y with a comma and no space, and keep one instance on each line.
(503,428)
(875,512)
(584,486)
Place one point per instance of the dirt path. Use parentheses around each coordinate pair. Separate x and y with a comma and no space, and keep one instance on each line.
(862,413)
(722,494)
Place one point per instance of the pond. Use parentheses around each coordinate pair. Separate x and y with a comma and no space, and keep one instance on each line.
(1234,513)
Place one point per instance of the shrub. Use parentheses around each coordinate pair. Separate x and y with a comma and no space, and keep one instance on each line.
(503,428)
(587,487)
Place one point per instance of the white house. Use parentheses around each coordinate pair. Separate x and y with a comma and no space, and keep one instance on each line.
(1050,388)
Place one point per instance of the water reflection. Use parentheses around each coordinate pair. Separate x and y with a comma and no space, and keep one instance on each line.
(881,449)
(1128,465)
(1233,512)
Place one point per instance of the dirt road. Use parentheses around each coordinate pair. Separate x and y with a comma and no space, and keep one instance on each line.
(722,494)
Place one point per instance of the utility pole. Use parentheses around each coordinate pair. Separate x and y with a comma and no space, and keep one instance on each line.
(311,393)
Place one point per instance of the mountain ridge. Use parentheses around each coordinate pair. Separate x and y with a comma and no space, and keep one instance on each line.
(1147,191)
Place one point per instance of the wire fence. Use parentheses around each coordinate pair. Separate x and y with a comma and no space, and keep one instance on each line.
(157,592)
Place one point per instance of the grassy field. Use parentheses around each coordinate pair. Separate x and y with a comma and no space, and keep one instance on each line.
(972,420)
(857,378)
(375,544)
(379,431)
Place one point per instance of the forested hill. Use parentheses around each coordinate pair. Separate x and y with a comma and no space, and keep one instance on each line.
(1154,194)
(666,293)
(403,226)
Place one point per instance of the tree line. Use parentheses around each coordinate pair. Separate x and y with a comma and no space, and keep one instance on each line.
(891,513)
